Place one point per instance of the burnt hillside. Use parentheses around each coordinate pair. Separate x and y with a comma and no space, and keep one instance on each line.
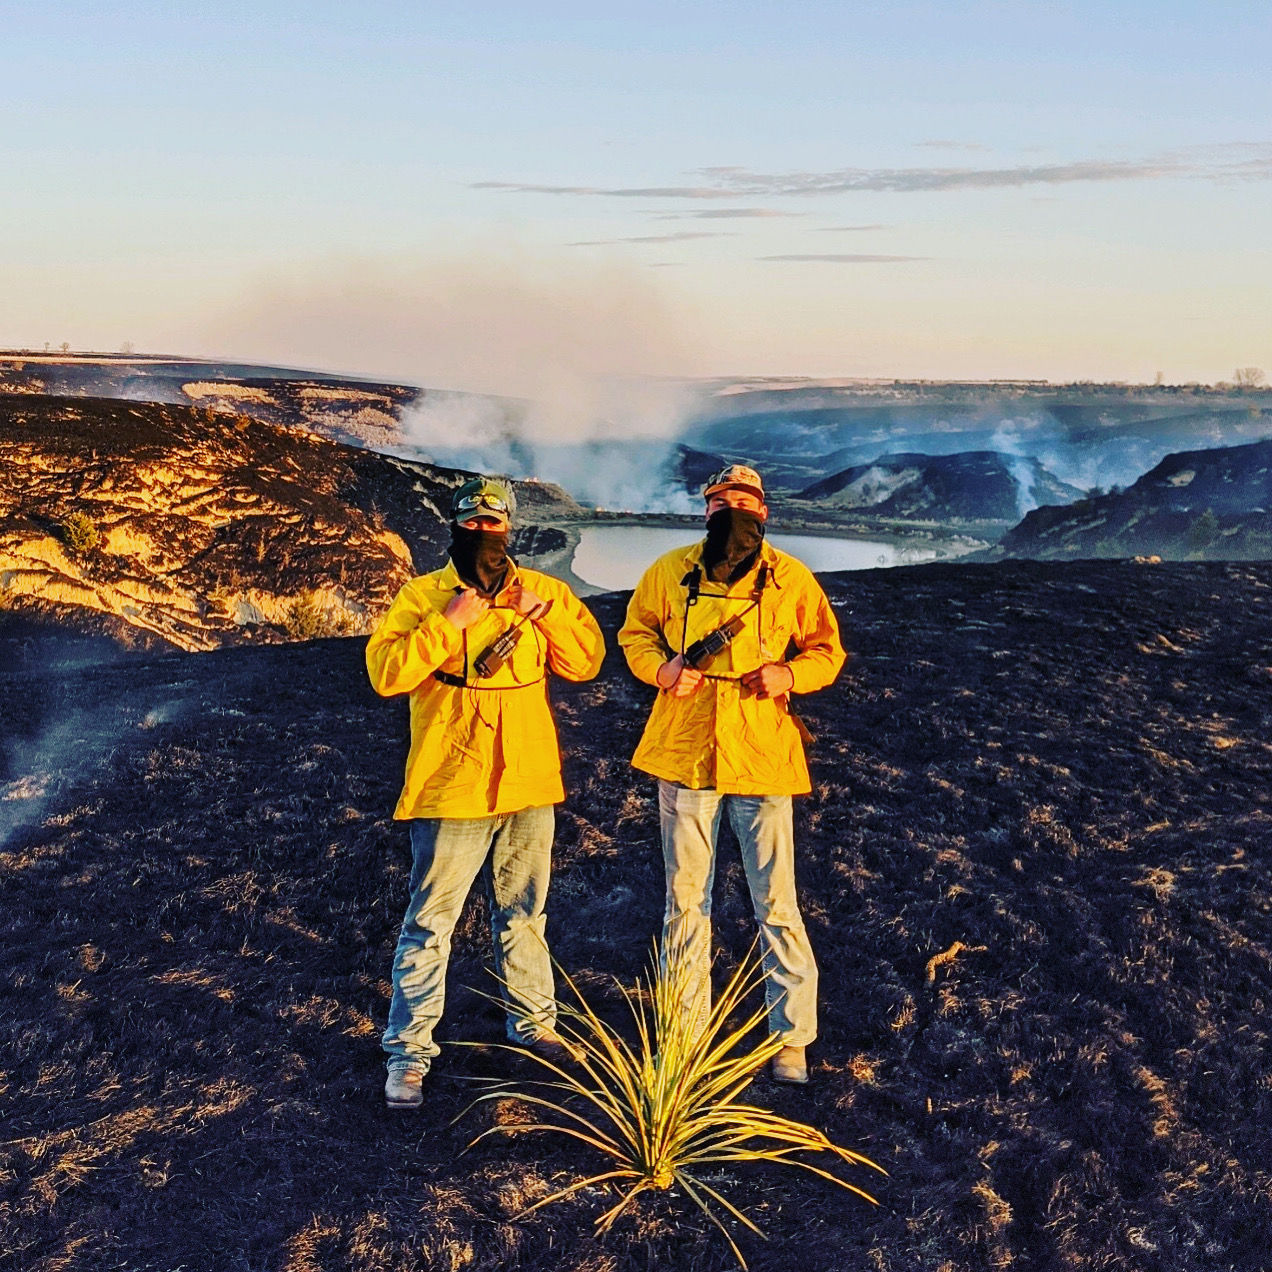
(1194,505)
(174,525)
(967,486)
(346,409)
(1064,767)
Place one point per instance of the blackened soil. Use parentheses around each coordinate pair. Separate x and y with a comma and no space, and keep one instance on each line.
(1063,767)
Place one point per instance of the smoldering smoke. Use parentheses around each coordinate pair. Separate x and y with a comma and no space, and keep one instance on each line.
(554,365)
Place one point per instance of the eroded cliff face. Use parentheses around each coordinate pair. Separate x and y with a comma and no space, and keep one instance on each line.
(189,527)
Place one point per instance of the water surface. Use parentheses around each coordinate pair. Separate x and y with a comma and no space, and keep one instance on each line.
(614,557)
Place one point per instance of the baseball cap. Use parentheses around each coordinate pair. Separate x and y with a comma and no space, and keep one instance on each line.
(484,497)
(737,477)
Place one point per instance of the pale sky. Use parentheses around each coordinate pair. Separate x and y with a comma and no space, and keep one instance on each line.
(1058,190)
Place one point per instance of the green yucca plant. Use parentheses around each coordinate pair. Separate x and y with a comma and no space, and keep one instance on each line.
(666,1108)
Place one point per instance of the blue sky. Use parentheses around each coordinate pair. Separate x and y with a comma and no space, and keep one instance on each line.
(993,189)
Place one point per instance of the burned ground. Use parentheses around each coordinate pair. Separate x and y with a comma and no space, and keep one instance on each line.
(1063,767)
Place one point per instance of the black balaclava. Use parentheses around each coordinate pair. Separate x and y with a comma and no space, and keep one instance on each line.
(733,542)
(480,557)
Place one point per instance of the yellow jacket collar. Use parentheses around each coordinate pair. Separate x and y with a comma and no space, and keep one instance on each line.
(449,581)
(693,556)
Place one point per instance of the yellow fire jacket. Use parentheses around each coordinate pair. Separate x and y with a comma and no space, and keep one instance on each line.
(489,746)
(721,735)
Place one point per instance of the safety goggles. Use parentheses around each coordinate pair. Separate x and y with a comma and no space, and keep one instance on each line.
(481,501)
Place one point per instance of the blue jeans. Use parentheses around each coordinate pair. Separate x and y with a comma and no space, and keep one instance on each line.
(765,829)
(513,853)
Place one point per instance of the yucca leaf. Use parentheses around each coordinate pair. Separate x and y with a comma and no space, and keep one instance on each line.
(670,1101)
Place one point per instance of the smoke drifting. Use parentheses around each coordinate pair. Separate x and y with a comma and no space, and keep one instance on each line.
(43,771)
(547,362)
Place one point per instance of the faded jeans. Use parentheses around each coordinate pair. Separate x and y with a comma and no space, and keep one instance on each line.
(513,853)
(765,829)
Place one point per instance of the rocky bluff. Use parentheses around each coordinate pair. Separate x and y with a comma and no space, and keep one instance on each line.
(1213,504)
(168,525)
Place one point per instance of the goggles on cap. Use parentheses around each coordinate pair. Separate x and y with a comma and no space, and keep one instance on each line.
(468,505)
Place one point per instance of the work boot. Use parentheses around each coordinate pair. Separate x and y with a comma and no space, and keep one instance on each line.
(553,1049)
(790,1065)
(403,1087)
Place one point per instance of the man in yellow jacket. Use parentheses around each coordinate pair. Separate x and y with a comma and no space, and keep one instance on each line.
(473,644)
(721,736)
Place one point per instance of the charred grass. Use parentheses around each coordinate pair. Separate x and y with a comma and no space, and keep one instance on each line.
(1034,867)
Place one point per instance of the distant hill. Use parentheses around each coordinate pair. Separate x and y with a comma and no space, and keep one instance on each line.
(1195,505)
(971,486)
(692,468)
(180,526)
(343,408)
(1087,434)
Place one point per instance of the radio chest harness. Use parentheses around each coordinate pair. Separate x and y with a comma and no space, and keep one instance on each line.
(490,659)
(702,651)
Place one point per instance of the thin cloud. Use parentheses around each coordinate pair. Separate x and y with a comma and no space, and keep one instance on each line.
(950,145)
(1232,161)
(848,229)
(679,236)
(842,258)
(714,213)
(632,192)
(917,180)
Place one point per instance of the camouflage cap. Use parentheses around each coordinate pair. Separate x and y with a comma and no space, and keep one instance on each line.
(735,477)
(484,497)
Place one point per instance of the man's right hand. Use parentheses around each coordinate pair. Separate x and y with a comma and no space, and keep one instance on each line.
(466,608)
(678,678)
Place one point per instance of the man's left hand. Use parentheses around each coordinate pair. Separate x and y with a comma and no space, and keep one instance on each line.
(524,601)
(770,681)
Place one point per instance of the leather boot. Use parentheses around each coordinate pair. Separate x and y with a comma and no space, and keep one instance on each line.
(403,1087)
(790,1065)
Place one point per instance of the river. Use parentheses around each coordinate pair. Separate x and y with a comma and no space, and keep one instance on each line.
(614,557)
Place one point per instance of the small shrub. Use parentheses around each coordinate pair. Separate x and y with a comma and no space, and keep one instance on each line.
(307,619)
(1204,530)
(80,533)
(219,600)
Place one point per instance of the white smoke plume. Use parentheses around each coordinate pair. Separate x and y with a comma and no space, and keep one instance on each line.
(70,747)
(543,360)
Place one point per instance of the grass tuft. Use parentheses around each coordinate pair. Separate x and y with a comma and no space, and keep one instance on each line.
(668,1107)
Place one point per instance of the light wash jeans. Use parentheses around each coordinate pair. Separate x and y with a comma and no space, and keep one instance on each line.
(765,829)
(513,853)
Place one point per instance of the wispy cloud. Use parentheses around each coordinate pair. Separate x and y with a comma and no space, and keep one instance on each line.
(623,192)
(1236,161)
(722,213)
(848,229)
(678,237)
(842,258)
(951,145)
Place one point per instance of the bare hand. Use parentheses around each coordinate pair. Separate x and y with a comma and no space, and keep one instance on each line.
(677,678)
(770,681)
(466,608)
(524,601)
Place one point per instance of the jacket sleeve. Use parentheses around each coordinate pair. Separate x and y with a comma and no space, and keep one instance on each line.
(576,647)
(411,643)
(641,636)
(816,635)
